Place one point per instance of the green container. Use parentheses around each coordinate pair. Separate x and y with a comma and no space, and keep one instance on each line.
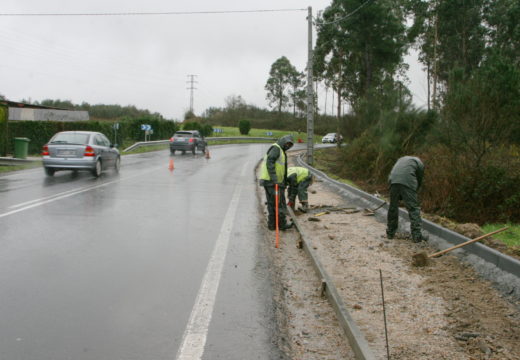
(21,147)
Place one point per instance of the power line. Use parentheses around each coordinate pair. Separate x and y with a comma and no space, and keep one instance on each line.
(154,13)
(348,15)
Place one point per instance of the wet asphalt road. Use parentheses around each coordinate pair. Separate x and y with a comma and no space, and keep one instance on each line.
(110,268)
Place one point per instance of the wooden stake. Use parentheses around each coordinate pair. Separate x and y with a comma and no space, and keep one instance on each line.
(277,198)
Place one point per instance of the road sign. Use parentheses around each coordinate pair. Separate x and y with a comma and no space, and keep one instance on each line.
(146,127)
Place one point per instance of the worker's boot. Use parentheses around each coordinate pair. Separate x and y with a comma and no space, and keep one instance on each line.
(305,206)
(420,237)
(286,226)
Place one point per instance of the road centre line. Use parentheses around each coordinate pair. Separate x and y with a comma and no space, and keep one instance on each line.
(195,335)
(63,195)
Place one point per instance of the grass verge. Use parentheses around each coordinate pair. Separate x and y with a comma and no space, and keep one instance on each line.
(510,237)
(9,168)
(233,131)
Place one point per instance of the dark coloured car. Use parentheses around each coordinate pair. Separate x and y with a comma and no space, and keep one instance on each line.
(80,150)
(187,140)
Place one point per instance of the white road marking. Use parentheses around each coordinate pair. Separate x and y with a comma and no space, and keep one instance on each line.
(194,338)
(46,200)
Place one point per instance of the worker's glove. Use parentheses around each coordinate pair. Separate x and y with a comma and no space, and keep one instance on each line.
(281,186)
(290,204)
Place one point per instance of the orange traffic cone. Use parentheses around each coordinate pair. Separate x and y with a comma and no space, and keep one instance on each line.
(207,154)
(170,165)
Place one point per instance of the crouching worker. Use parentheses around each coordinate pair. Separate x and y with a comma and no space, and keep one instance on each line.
(274,171)
(299,179)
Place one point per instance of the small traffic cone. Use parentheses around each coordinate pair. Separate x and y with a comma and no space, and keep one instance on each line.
(207,154)
(170,165)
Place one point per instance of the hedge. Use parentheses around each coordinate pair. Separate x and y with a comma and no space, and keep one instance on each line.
(39,132)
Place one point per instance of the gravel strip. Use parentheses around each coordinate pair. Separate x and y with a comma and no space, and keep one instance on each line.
(441,311)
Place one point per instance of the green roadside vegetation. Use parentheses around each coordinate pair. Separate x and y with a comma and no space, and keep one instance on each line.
(510,237)
(326,160)
(143,149)
(234,131)
(30,165)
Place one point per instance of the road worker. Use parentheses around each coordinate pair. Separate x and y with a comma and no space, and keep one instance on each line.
(405,179)
(298,179)
(274,171)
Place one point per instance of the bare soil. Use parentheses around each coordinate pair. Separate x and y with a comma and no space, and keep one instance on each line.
(441,311)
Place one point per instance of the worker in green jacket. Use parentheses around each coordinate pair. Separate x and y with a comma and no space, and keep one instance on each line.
(405,180)
(274,171)
(299,179)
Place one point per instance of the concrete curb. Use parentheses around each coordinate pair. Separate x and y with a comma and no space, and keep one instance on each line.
(501,269)
(354,336)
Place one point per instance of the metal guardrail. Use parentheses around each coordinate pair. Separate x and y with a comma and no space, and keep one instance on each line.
(501,269)
(164,142)
(15,161)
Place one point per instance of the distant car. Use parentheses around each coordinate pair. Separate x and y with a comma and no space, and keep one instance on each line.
(187,140)
(80,150)
(332,138)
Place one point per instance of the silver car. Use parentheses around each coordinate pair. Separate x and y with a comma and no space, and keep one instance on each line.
(80,150)
(332,138)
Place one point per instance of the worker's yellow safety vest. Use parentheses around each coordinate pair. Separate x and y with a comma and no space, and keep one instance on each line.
(279,166)
(301,173)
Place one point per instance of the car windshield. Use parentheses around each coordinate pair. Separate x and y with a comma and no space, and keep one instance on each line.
(184,134)
(70,138)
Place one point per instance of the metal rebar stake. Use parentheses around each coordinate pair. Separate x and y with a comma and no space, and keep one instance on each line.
(384,314)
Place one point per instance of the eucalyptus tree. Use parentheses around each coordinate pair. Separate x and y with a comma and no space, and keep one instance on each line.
(450,35)
(282,77)
(297,93)
(504,28)
(360,46)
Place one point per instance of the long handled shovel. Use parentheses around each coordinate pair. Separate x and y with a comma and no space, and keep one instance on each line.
(421,259)
(277,199)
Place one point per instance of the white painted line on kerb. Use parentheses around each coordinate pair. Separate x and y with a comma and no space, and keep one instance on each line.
(194,338)
(39,202)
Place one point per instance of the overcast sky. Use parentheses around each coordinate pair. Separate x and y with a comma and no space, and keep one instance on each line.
(145,60)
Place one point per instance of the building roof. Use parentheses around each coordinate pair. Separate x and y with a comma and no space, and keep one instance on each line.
(17,104)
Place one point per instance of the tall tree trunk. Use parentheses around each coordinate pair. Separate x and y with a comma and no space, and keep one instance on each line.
(428,82)
(326,93)
(368,64)
(435,63)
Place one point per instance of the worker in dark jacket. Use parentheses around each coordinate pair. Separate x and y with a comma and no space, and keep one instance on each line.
(405,180)
(299,179)
(274,171)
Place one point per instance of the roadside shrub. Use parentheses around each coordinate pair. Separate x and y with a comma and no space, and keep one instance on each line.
(192,125)
(206,130)
(454,187)
(244,126)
